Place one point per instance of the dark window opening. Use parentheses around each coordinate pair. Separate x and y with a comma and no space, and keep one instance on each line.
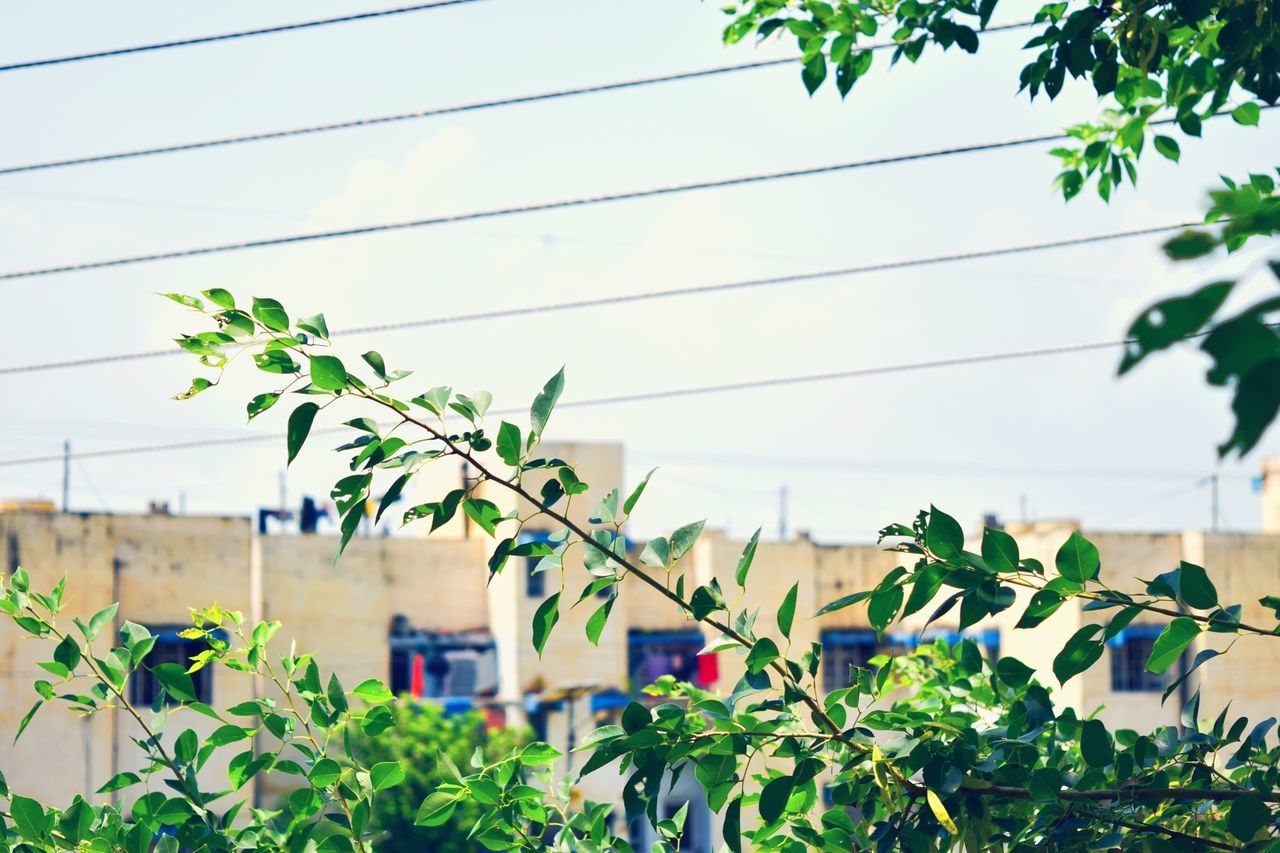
(1130,650)
(651,655)
(145,688)
(436,666)
(841,650)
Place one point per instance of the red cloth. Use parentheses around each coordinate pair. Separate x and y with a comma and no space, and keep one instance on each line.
(495,717)
(417,680)
(708,669)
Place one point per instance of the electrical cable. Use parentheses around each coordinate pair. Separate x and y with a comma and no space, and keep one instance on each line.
(260,31)
(597,302)
(644,396)
(539,207)
(374,121)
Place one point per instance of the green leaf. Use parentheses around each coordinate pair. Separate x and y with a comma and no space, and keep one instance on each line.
(1080,653)
(1168,147)
(120,781)
(774,796)
(635,717)
(29,818)
(175,680)
(260,404)
(300,420)
(944,536)
(372,691)
(763,652)
(1247,114)
(814,72)
(315,325)
(484,513)
(1197,590)
(884,606)
(67,653)
(435,809)
(386,774)
(787,610)
(325,772)
(328,373)
(546,400)
(509,446)
(185,746)
(1248,815)
(221,298)
(1014,672)
(374,360)
(748,555)
(538,753)
(1077,559)
(544,620)
(271,314)
(1170,321)
(844,601)
(999,550)
(683,539)
(595,625)
(1176,636)
(630,503)
(1096,745)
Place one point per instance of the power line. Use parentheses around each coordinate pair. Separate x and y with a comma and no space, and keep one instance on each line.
(374,121)
(602,301)
(644,396)
(261,31)
(536,207)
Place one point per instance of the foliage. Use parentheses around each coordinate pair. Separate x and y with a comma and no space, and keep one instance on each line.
(1187,59)
(1156,67)
(941,749)
(301,725)
(1243,347)
(431,747)
(971,751)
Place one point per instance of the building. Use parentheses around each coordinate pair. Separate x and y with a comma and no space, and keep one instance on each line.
(420,614)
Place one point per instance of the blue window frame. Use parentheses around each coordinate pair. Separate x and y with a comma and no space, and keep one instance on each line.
(1129,651)
(535,582)
(145,688)
(842,650)
(653,654)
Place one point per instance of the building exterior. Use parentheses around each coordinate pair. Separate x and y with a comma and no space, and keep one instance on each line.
(420,614)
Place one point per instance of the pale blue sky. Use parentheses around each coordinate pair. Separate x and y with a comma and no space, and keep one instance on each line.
(1060,430)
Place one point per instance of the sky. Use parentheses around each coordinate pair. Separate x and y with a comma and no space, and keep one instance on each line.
(1053,437)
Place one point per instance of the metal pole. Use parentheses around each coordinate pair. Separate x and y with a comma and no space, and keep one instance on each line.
(782,513)
(1213,482)
(66,476)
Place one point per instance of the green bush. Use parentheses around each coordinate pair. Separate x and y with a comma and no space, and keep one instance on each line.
(421,734)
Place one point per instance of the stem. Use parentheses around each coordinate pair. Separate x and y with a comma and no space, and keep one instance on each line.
(165,759)
(837,734)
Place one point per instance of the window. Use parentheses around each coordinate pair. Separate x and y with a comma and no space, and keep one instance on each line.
(1130,650)
(144,687)
(651,655)
(437,666)
(536,585)
(841,650)
(535,581)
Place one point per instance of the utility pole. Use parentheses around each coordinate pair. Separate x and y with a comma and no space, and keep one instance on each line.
(66,475)
(1213,484)
(1022,506)
(782,513)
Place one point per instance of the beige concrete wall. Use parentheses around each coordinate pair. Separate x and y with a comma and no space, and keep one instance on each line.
(1243,568)
(155,567)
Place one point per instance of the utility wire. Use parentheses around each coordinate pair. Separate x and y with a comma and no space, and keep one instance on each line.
(373,121)
(602,301)
(261,31)
(667,394)
(538,207)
